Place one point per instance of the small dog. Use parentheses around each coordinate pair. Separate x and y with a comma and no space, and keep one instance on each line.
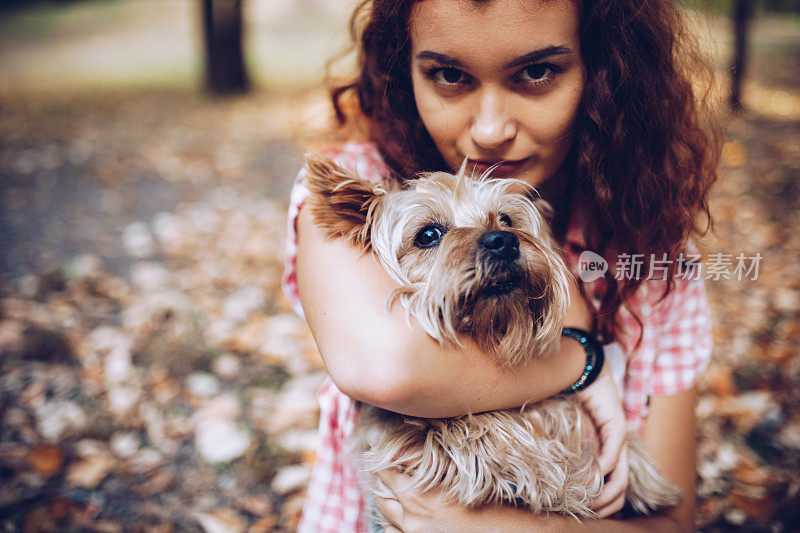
(473,258)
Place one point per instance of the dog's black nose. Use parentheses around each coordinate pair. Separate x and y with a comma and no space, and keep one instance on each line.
(503,244)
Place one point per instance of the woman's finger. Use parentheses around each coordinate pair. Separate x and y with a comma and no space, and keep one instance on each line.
(615,486)
(612,508)
(391,510)
(613,437)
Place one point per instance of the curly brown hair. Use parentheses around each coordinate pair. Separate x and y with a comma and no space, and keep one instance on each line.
(646,146)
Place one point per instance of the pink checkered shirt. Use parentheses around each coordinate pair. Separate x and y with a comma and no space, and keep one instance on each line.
(674,350)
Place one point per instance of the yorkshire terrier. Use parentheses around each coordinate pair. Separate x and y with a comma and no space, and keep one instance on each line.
(472,257)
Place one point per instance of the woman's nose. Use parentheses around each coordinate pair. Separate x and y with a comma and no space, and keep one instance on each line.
(492,126)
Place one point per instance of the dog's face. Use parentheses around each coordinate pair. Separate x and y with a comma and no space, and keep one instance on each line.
(470,256)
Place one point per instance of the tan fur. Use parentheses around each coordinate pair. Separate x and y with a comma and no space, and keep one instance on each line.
(541,456)
(341,203)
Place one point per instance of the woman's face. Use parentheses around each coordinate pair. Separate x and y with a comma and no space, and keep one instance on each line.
(498,82)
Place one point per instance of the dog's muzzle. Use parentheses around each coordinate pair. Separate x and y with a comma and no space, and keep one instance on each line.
(501,252)
(501,244)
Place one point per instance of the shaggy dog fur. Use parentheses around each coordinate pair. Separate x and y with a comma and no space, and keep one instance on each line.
(471,257)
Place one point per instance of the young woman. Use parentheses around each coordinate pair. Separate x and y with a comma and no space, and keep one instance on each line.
(591,103)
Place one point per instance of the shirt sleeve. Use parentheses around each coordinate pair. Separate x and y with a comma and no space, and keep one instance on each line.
(297,197)
(682,324)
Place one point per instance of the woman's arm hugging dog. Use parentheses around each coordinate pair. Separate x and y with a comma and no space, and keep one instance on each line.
(472,257)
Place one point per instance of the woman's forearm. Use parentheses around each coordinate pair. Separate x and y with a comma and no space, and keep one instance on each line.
(447,382)
(374,356)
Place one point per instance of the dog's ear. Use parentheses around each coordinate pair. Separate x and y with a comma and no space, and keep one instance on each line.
(544,208)
(341,203)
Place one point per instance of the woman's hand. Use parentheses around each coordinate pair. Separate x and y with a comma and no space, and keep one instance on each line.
(413,511)
(601,401)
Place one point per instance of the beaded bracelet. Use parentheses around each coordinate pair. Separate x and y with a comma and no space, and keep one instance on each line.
(594,358)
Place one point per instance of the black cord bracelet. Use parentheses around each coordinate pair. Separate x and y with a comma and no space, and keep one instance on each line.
(594,358)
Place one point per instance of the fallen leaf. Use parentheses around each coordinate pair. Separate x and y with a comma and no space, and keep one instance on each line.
(46,459)
(220,521)
(87,473)
(263,525)
(255,505)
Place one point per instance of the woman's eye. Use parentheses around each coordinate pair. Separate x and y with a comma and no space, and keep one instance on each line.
(428,236)
(448,76)
(505,219)
(538,73)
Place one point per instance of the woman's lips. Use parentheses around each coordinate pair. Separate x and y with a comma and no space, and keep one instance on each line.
(502,168)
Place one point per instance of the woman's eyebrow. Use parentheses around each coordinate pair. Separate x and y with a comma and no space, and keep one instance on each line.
(530,57)
(538,55)
(441,58)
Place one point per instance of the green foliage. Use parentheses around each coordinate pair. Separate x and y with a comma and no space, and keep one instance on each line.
(723,7)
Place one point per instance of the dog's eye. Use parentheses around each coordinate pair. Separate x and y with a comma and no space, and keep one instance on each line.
(505,219)
(428,236)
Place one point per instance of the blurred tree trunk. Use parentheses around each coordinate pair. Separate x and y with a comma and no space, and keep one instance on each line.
(224,60)
(742,13)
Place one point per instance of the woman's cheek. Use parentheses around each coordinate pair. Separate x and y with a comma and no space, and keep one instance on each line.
(429,107)
(559,131)
(442,123)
